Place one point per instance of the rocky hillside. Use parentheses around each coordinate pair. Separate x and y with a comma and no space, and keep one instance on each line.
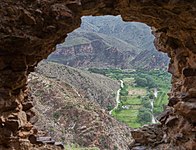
(109,42)
(88,85)
(150,59)
(67,116)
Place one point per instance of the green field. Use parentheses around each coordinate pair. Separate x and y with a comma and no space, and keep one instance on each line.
(135,96)
(128,115)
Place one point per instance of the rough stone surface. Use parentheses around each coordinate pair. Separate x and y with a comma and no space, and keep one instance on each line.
(29,31)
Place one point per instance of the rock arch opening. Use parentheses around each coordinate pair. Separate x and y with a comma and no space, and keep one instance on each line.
(30,30)
(122,51)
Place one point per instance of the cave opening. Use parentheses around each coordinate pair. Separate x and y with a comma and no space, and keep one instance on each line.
(121,51)
(30,31)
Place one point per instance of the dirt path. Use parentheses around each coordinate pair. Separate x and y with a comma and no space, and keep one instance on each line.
(117,97)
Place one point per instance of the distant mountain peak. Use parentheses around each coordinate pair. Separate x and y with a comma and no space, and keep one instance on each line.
(107,41)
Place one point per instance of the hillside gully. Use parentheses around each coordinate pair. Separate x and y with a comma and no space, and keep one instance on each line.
(30,30)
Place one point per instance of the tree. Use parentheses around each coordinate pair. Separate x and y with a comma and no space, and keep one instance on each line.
(150,82)
(141,82)
(123,92)
(144,116)
(109,107)
(151,95)
(147,104)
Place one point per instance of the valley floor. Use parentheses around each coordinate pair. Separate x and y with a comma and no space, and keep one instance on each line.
(142,97)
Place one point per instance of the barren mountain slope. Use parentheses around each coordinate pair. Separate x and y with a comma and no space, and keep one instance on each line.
(68,117)
(92,86)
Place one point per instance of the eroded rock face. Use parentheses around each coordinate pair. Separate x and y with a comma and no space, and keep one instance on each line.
(93,54)
(31,29)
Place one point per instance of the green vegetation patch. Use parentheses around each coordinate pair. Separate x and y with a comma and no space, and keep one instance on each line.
(135,108)
(132,100)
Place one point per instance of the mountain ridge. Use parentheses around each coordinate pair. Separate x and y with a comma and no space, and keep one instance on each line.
(124,41)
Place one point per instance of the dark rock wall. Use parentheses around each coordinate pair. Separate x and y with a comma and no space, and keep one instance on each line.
(30,29)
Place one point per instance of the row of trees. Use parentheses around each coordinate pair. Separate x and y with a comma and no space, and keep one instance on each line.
(124,90)
(146,81)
